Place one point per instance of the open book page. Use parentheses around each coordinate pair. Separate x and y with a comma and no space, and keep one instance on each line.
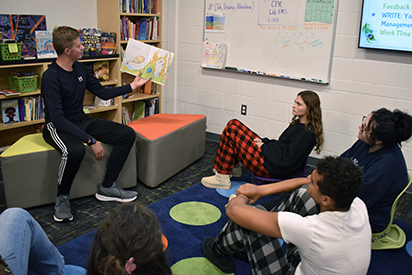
(151,61)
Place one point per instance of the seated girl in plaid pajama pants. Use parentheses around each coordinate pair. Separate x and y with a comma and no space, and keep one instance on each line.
(283,158)
(336,241)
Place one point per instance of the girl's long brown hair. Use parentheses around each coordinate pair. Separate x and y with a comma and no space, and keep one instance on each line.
(314,117)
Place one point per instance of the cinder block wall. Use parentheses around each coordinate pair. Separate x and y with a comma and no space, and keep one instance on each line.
(361,81)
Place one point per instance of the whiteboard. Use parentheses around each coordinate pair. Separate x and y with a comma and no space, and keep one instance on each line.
(282,38)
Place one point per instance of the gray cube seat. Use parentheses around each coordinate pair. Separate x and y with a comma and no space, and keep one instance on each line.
(166,144)
(30,169)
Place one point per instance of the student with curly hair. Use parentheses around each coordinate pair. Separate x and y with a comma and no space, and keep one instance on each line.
(129,241)
(317,244)
(378,152)
(282,158)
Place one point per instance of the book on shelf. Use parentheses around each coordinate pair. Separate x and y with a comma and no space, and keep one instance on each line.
(10,111)
(9,93)
(128,28)
(27,109)
(91,40)
(30,108)
(142,29)
(22,109)
(44,45)
(138,6)
(138,112)
(151,107)
(88,107)
(126,118)
(102,103)
(213,55)
(148,88)
(101,70)
(146,59)
(108,43)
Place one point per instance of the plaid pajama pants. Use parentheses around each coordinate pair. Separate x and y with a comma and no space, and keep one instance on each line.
(237,145)
(265,254)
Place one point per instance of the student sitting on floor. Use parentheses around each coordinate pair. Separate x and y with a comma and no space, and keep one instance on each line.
(336,241)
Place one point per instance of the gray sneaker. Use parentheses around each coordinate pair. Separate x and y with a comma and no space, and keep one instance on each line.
(115,193)
(62,210)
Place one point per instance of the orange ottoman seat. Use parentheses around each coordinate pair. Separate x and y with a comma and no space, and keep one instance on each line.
(166,144)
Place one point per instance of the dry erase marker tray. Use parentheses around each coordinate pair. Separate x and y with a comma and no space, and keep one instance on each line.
(282,76)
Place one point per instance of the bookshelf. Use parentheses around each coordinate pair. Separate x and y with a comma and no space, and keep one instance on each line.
(110,17)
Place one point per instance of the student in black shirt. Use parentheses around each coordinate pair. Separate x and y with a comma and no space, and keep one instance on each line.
(68,127)
(282,158)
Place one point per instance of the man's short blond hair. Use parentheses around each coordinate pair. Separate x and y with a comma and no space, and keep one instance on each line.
(63,38)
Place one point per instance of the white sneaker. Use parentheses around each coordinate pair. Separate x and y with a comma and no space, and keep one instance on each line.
(237,171)
(218,181)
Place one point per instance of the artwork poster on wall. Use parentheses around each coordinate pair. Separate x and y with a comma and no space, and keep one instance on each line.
(23,27)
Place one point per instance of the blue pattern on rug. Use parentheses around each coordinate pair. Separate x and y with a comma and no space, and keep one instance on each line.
(185,241)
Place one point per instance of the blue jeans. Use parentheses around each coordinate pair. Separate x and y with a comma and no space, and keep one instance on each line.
(24,246)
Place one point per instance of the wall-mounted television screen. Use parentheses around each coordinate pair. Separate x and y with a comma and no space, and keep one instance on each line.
(386,24)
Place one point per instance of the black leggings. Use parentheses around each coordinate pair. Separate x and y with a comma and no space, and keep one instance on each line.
(72,149)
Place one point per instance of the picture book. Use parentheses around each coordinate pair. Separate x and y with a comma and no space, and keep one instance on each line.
(10,111)
(214,55)
(22,27)
(101,70)
(91,41)
(108,42)
(151,61)
(44,45)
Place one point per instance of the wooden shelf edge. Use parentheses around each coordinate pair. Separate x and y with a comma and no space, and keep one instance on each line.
(139,97)
(139,14)
(101,109)
(144,41)
(16,125)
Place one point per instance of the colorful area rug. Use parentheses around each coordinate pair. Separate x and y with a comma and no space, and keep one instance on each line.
(191,215)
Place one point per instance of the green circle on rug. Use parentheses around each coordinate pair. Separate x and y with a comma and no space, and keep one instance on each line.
(196,265)
(195,213)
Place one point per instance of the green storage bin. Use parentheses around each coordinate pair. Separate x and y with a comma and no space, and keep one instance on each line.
(23,84)
(7,55)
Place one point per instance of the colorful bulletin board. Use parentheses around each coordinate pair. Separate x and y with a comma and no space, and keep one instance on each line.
(22,27)
(281,38)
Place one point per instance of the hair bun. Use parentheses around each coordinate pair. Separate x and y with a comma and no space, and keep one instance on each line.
(403,122)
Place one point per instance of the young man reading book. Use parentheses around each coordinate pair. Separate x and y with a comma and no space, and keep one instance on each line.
(67,127)
(336,241)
